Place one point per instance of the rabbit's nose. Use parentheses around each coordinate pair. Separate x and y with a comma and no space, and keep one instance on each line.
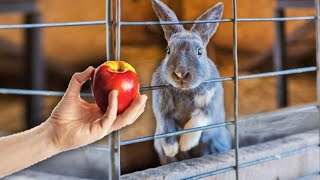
(181,74)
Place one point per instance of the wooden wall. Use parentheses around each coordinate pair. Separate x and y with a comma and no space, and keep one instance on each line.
(73,44)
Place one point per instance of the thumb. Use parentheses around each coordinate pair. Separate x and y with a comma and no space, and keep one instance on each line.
(111,113)
(77,80)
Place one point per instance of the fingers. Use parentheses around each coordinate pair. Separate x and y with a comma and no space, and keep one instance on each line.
(141,110)
(131,114)
(111,114)
(77,80)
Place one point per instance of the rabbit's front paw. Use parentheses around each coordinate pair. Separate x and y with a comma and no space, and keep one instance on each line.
(170,150)
(189,140)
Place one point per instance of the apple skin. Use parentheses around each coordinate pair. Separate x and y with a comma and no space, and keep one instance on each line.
(108,77)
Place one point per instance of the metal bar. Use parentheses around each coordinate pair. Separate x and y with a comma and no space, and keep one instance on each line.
(279,59)
(47,25)
(302,18)
(117,40)
(37,92)
(110,56)
(34,70)
(117,27)
(258,161)
(142,23)
(148,88)
(113,53)
(317,3)
(317,23)
(278,73)
(236,85)
(108,30)
(164,135)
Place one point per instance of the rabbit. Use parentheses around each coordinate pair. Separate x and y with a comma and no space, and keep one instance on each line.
(188,101)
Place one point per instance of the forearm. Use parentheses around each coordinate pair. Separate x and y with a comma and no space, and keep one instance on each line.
(24,149)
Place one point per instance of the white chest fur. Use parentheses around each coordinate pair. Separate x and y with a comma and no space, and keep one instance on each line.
(203,100)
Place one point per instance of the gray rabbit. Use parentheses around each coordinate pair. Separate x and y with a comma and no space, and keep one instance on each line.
(188,102)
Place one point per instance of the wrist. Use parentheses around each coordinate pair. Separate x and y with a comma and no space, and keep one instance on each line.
(51,137)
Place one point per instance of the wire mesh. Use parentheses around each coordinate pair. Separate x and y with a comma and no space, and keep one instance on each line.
(113,25)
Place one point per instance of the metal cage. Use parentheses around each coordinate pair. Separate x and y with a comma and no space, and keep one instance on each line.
(113,25)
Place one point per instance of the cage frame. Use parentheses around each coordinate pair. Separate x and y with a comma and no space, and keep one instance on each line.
(113,25)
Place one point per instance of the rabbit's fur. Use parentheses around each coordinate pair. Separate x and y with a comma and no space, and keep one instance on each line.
(188,102)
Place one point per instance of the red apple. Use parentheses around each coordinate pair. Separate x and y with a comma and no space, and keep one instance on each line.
(115,75)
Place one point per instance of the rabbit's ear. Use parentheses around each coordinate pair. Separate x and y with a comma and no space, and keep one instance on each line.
(206,30)
(166,14)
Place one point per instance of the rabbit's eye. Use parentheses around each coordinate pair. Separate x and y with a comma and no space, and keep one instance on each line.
(199,51)
(168,51)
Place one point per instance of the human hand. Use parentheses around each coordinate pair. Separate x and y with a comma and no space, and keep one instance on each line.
(76,123)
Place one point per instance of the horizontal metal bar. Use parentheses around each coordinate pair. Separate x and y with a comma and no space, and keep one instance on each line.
(302,18)
(37,92)
(278,73)
(157,136)
(258,161)
(143,23)
(148,88)
(46,25)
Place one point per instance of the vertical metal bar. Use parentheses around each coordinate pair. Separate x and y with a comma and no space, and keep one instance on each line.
(109,30)
(317,7)
(280,59)
(113,45)
(34,70)
(109,56)
(317,3)
(117,29)
(236,85)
